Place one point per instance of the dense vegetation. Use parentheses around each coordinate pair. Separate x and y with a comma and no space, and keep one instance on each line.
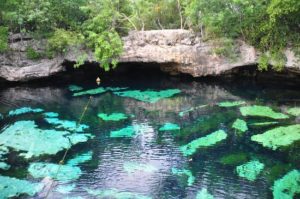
(269,25)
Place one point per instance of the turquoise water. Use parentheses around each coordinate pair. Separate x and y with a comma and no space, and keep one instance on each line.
(148,163)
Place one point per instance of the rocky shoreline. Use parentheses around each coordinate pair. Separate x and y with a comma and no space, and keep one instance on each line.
(176,51)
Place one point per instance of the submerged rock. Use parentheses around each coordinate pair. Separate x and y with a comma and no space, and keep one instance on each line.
(295,111)
(250,170)
(209,140)
(12,187)
(287,186)
(278,137)
(262,111)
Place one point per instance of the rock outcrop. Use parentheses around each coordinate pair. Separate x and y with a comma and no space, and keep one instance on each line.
(177,51)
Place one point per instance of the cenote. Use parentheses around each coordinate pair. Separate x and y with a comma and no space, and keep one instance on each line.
(149,136)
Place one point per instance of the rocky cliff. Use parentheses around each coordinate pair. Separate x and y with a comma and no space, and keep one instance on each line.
(177,51)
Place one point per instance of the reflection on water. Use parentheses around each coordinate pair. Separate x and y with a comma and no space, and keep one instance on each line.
(159,150)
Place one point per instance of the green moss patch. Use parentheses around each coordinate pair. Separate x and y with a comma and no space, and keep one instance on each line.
(262,111)
(129,131)
(24,110)
(81,158)
(231,104)
(169,127)
(182,113)
(278,137)
(51,114)
(149,95)
(132,167)
(116,194)
(204,194)
(112,117)
(26,137)
(191,179)
(66,173)
(263,123)
(287,186)
(250,170)
(295,111)
(12,187)
(234,159)
(240,125)
(206,141)
(97,91)
(66,124)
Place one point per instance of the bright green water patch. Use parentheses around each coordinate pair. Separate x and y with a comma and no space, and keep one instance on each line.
(263,123)
(278,137)
(81,158)
(206,141)
(295,111)
(75,88)
(250,170)
(4,166)
(240,125)
(131,167)
(169,127)
(149,95)
(234,159)
(66,124)
(124,132)
(191,179)
(231,104)
(24,110)
(24,136)
(3,152)
(262,111)
(204,194)
(51,114)
(97,91)
(116,194)
(182,113)
(65,189)
(287,186)
(63,173)
(112,117)
(13,187)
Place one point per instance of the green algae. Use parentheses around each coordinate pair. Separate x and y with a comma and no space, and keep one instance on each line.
(234,159)
(124,132)
(63,173)
(287,186)
(3,151)
(149,95)
(295,111)
(231,104)
(26,137)
(208,140)
(129,131)
(250,170)
(262,111)
(191,179)
(182,113)
(66,124)
(278,137)
(81,158)
(132,167)
(13,187)
(204,194)
(112,117)
(51,114)
(75,88)
(96,91)
(240,125)
(24,110)
(115,194)
(263,123)
(169,127)
(65,189)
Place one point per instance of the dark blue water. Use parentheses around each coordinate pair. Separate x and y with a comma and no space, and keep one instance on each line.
(160,149)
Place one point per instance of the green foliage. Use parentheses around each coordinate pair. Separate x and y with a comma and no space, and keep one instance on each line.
(261,111)
(225,47)
(33,54)
(3,39)
(234,159)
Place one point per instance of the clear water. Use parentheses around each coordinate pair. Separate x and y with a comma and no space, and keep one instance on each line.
(159,149)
